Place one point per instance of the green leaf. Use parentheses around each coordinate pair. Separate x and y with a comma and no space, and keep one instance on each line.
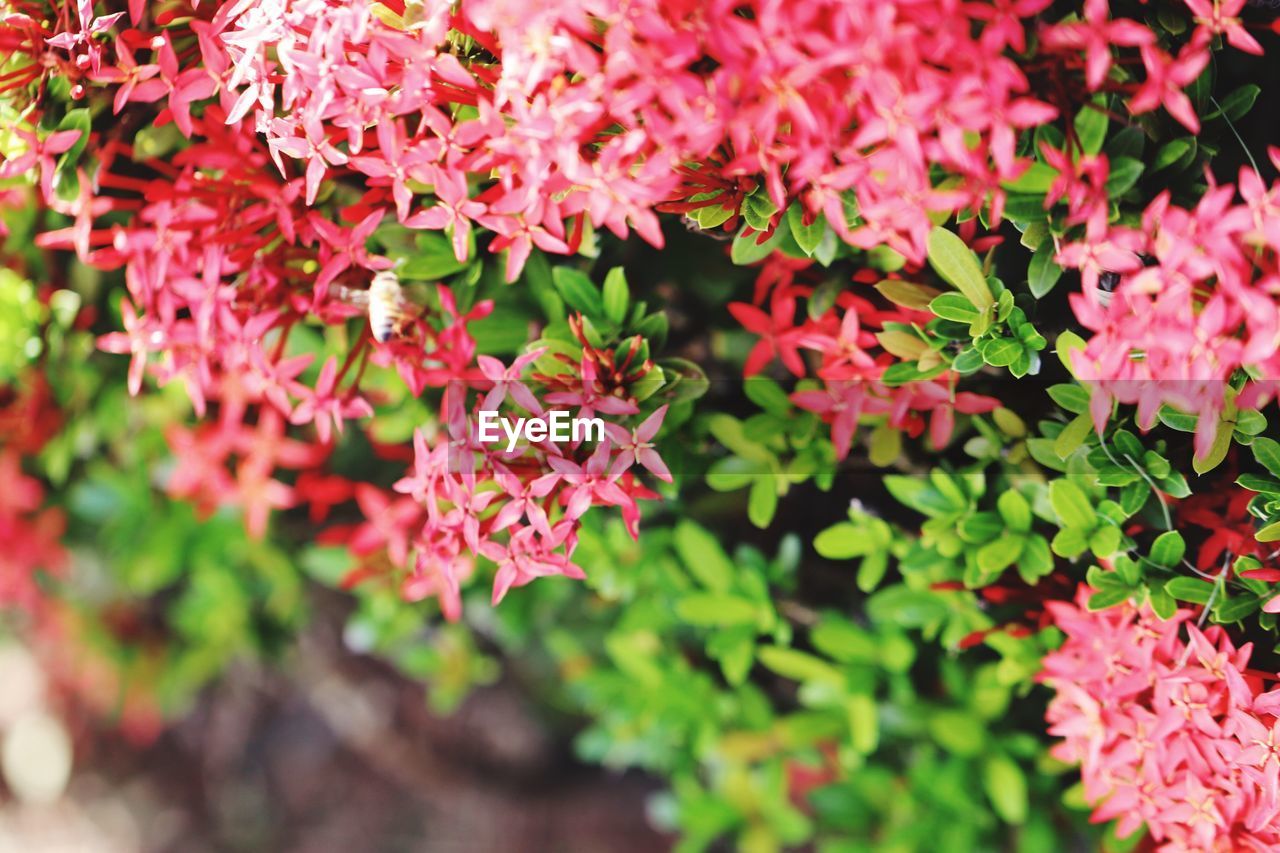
(955,307)
(1035,180)
(1236,608)
(1217,451)
(1043,273)
(1072,505)
(758,209)
(732,473)
(918,495)
(1105,541)
(1193,590)
(1161,601)
(746,248)
(906,608)
(1073,398)
(711,610)
(578,291)
(843,641)
(1015,511)
(1072,436)
(908,294)
(1071,542)
(1171,152)
(864,728)
(1168,549)
(1067,343)
(1267,452)
(703,557)
(843,541)
(807,237)
(798,666)
(998,555)
(77,119)
(1270,533)
(616,296)
(959,267)
(1235,105)
(1260,483)
(1036,560)
(1125,172)
(762,502)
(1091,126)
(1000,352)
(1006,787)
(1109,597)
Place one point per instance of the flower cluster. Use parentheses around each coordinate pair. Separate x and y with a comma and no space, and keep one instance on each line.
(520,506)
(854,344)
(1175,734)
(593,111)
(1194,303)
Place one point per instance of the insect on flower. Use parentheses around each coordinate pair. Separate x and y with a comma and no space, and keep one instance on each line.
(389,309)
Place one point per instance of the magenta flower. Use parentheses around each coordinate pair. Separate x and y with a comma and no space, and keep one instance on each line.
(636,446)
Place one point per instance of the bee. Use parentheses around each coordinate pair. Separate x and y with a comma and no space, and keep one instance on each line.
(388,308)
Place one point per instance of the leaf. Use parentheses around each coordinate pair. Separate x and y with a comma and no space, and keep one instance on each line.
(798,666)
(1015,511)
(807,237)
(1073,398)
(77,119)
(1091,126)
(1270,533)
(1109,597)
(1006,787)
(1125,172)
(955,307)
(711,610)
(1072,505)
(1193,590)
(762,502)
(1043,273)
(959,267)
(1171,152)
(843,641)
(1104,541)
(1168,549)
(578,291)
(1072,436)
(998,555)
(1236,608)
(1000,352)
(864,728)
(1260,483)
(1267,452)
(843,541)
(909,294)
(906,608)
(1235,105)
(1161,601)
(1036,180)
(1067,343)
(1217,451)
(872,571)
(918,495)
(746,249)
(732,473)
(703,557)
(1036,560)
(616,295)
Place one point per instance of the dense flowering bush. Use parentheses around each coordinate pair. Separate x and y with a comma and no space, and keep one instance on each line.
(328,236)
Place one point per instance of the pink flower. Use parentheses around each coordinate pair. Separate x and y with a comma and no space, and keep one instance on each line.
(1173,734)
(636,446)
